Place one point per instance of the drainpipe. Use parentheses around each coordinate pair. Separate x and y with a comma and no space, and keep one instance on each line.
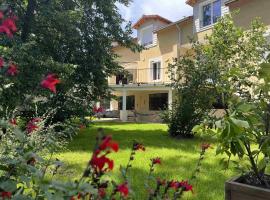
(179,39)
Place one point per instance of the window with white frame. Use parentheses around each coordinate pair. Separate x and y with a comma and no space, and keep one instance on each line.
(146,36)
(210,12)
(155,70)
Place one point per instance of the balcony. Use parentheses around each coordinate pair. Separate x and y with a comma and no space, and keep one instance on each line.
(140,77)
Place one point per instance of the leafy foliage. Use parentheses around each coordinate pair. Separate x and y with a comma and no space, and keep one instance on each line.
(244,75)
(72,39)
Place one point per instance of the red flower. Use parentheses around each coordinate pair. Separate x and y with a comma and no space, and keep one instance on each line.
(175,185)
(102,192)
(13,122)
(108,143)
(82,126)
(205,146)
(31,161)
(161,182)
(98,110)
(50,82)
(186,186)
(10,24)
(2,62)
(12,70)
(156,161)
(76,197)
(123,189)
(4,29)
(31,126)
(138,147)
(99,163)
(5,195)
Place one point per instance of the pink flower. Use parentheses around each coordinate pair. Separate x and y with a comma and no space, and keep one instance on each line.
(50,82)
(12,70)
(31,126)
(2,62)
(123,189)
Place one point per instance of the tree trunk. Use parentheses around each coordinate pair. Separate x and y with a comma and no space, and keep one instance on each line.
(28,18)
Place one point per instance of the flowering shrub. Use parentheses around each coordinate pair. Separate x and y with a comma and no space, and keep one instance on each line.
(28,166)
(27,172)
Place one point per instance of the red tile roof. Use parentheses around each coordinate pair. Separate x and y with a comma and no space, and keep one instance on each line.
(191,2)
(144,18)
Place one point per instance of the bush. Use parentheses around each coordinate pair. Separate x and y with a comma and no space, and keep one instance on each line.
(194,93)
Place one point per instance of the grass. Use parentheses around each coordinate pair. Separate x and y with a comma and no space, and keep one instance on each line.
(179,158)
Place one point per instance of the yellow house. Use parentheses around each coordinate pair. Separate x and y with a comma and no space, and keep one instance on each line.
(145,90)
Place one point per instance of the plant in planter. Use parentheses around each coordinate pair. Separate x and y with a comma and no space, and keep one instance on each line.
(243,131)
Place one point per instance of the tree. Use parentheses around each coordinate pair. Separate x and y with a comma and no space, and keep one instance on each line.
(72,39)
(244,72)
(220,68)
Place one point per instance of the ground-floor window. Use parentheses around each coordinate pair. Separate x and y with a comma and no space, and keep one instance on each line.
(130,103)
(158,101)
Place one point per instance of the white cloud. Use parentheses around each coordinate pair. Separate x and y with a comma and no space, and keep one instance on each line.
(171,9)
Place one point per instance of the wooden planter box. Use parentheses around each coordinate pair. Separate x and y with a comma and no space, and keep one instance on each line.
(240,191)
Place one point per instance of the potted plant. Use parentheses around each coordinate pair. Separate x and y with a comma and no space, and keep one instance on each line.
(243,132)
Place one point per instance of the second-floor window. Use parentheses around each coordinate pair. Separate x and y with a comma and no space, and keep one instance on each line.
(146,36)
(211,12)
(155,70)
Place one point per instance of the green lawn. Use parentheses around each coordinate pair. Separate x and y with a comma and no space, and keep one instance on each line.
(179,158)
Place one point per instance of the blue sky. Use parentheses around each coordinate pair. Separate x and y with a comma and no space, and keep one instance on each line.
(170,9)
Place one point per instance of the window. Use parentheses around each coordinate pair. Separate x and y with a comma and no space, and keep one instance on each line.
(146,37)
(211,12)
(130,103)
(155,70)
(158,101)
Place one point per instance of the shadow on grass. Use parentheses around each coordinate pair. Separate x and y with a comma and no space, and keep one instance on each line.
(125,134)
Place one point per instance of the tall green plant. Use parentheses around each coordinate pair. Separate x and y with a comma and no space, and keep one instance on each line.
(244,75)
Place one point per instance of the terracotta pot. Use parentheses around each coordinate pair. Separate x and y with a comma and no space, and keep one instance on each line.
(234,190)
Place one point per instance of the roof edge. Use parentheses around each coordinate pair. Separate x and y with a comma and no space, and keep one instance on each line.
(146,17)
(181,21)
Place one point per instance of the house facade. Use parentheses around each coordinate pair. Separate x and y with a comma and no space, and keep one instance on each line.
(144,91)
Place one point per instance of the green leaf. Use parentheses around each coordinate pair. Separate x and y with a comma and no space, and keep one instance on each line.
(240,123)
(9,185)
(262,164)
(245,107)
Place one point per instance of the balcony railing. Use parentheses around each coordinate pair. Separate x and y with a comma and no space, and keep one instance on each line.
(141,76)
